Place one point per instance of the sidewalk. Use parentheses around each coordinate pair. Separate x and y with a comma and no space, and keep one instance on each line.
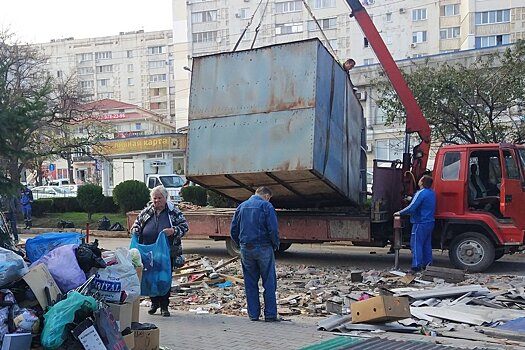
(186,330)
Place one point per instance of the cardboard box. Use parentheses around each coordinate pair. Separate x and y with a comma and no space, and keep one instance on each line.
(379,309)
(130,340)
(122,314)
(38,278)
(147,340)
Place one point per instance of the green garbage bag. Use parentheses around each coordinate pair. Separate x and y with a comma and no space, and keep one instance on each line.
(62,313)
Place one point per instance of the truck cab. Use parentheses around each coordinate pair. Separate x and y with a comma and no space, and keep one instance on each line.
(480,192)
(172,182)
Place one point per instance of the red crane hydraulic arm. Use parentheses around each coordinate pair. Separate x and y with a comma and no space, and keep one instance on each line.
(415,121)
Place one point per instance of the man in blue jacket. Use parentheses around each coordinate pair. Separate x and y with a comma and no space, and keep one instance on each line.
(421,210)
(254,228)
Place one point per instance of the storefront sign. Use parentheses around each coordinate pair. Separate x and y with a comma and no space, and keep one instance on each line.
(139,145)
(124,134)
(113,116)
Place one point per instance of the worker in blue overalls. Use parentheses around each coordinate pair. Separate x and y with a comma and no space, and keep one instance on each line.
(421,210)
(26,198)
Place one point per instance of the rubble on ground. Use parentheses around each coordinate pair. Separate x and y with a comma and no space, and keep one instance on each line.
(443,303)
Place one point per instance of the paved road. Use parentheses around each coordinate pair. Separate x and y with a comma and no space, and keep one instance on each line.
(363,258)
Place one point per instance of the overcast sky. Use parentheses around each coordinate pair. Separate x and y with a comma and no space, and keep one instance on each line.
(38,21)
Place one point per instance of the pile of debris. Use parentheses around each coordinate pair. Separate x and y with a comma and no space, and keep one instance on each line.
(441,305)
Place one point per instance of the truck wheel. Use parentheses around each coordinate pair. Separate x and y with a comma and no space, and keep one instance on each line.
(283,247)
(232,248)
(499,254)
(471,251)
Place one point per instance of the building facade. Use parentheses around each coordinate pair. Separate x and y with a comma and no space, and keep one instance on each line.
(411,29)
(133,67)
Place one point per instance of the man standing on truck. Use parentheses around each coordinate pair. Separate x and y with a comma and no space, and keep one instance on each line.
(254,228)
(421,210)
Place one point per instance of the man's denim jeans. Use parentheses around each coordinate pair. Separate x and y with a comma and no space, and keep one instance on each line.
(258,261)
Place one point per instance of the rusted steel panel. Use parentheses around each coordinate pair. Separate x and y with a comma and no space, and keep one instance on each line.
(283,116)
(253,81)
(293,226)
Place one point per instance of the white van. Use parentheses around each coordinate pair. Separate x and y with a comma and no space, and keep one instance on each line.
(172,182)
(59,182)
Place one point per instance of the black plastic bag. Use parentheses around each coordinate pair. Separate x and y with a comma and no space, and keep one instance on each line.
(117,227)
(65,224)
(104,224)
(89,255)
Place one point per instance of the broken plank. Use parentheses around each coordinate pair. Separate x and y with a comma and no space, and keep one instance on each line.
(232,278)
(445,292)
(208,281)
(182,274)
(224,264)
(504,334)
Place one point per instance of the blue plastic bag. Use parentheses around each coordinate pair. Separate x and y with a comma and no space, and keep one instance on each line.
(44,243)
(156,276)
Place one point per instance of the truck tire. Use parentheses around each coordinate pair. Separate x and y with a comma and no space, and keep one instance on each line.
(232,248)
(499,254)
(472,251)
(283,247)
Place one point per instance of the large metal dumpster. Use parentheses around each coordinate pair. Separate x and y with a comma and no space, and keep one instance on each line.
(283,116)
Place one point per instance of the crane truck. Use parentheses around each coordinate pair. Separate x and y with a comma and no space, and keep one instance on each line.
(286,116)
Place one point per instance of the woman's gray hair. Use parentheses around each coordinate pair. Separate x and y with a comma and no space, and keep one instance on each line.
(160,190)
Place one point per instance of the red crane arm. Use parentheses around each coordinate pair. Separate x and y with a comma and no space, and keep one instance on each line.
(415,120)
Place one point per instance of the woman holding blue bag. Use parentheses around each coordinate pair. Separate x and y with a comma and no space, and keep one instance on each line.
(157,234)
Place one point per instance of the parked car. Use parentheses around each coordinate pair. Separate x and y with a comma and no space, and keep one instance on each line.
(51,192)
(72,188)
(59,182)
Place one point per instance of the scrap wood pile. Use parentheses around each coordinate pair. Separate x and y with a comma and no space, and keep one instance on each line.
(440,305)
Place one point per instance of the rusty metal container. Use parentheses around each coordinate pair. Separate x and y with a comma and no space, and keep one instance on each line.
(283,116)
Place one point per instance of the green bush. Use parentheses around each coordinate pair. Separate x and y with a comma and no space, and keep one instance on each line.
(194,194)
(131,195)
(90,197)
(219,201)
(66,204)
(108,206)
(41,206)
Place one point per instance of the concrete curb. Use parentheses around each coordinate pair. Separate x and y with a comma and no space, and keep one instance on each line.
(92,233)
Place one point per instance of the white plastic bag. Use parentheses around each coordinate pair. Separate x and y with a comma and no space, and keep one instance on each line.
(12,267)
(119,282)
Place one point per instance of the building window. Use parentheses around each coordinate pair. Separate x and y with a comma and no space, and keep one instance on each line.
(158,105)
(154,50)
(130,67)
(389,149)
(85,71)
(204,37)
(368,61)
(129,54)
(449,33)
(103,55)
(157,77)
(492,40)
(288,28)
(419,37)
(156,64)
(327,23)
(490,17)
(365,42)
(204,16)
(87,84)
(131,82)
(449,10)
(103,82)
(138,126)
(104,95)
(419,15)
(288,6)
(105,69)
(332,43)
(322,4)
(83,57)
(389,16)
(131,95)
(245,13)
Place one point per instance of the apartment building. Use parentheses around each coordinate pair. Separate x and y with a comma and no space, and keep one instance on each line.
(411,29)
(134,67)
